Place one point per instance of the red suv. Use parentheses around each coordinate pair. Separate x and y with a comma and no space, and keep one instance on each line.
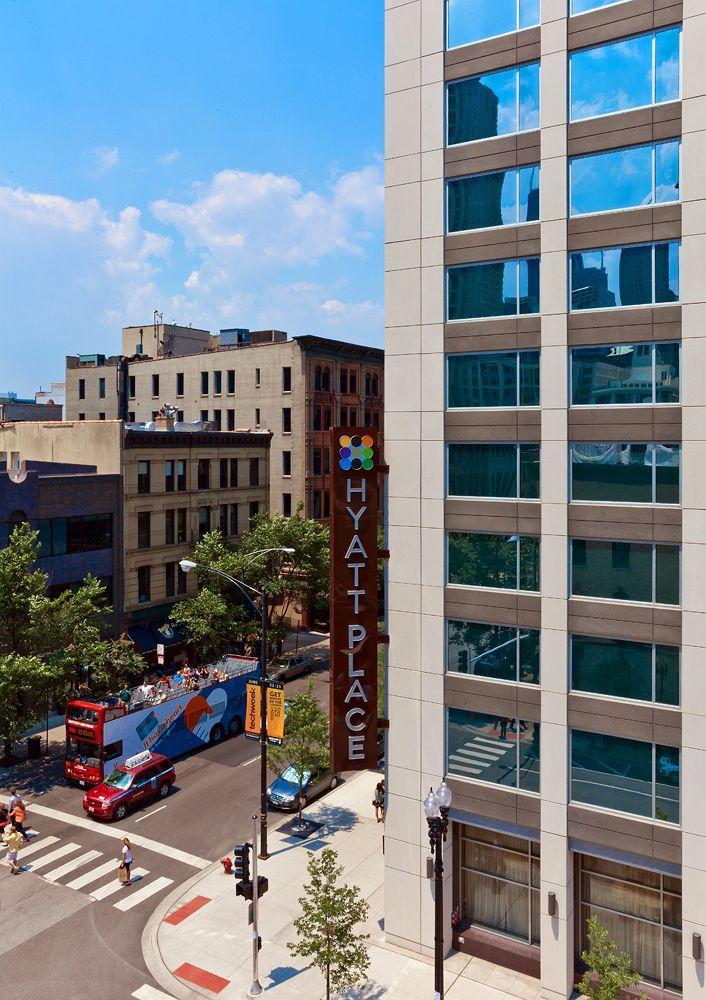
(146,776)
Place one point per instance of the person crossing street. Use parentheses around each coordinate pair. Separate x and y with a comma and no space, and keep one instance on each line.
(125,863)
(13,839)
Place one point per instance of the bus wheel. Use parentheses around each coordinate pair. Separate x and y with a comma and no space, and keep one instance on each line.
(234,726)
(216,735)
(121,812)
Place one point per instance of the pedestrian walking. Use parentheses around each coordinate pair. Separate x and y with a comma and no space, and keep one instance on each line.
(125,863)
(14,799)
(379,801)
(18,815)
(13,839)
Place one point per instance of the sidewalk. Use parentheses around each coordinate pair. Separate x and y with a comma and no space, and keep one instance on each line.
(198,944)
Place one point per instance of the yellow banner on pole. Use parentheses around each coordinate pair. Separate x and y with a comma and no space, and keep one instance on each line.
(275,711)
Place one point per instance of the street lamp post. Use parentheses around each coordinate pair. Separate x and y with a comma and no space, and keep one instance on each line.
(187,565)
(436,809)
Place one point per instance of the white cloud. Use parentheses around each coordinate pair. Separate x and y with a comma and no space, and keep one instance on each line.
(271,218)
(105,158)
(171,157)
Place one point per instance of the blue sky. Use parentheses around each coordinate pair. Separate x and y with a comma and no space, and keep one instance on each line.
(220,161)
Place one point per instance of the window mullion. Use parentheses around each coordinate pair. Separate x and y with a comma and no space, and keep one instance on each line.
(654,771)
(654,572)
(654,672)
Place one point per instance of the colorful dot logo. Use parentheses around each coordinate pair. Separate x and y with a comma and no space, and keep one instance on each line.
(355,452)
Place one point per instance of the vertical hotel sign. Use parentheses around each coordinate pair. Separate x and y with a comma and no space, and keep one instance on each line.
(354,518)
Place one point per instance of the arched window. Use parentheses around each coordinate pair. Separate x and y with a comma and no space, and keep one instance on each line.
(375,384)
(326,380)
(317,378)
(367,383)
(16,518)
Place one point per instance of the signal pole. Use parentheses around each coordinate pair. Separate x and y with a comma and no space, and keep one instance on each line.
(255,988)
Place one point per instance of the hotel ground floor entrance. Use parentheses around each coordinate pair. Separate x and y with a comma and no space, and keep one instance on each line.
(497,906)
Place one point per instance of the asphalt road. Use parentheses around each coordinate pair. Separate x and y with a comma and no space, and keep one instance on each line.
(57,941)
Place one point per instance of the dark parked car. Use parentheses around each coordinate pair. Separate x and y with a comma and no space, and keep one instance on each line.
(283,793)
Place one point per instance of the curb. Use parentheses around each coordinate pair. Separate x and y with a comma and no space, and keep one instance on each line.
(150,945)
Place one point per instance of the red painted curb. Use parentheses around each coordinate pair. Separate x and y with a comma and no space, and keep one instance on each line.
(186,910)
(201,977)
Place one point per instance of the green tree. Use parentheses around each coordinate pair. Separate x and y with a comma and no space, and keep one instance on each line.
(609,971)
(305,745)
(52,636)
(326,929)
(291,582)
(24,684)
(213,622)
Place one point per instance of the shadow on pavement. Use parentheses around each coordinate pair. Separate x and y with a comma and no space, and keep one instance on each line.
(34,777)
(282,974)
(371,991)
(327,819)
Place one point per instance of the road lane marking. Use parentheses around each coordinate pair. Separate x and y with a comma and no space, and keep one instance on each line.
(117,833)
(94,874)
(150,993)
(251,761)
(144,893)
(72,865)
(115,886)
(147,816)
(52,856)
(36,846)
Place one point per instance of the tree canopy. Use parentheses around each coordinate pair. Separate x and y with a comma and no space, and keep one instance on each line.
(291,581)
(45,640)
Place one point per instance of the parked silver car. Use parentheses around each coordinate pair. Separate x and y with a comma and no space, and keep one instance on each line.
(295,666)
(283,793)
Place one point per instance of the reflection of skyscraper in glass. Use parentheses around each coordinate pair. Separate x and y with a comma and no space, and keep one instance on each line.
(635,272)
(476,202)
(533,197)
(589,285)
(472,111)
(477,291)
(664,291)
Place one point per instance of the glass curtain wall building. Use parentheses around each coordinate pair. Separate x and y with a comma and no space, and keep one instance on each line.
(546,437)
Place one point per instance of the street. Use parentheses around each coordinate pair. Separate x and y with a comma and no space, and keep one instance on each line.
(69,932)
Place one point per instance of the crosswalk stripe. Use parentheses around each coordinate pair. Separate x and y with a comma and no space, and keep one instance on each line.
(52,856)
(72,865)
(148,890)
(35,846)
(465,768)
(114,886)
(94,875)
(469,751)
(495,742)
(147,992)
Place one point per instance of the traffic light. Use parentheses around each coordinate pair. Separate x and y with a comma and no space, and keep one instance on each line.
(241,865)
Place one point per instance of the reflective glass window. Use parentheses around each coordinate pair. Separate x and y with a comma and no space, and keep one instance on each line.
(631,73)
(581,6)
(493,748)
(493,470)
(625,571)
(499,652)
(625,276)
(499,198)
(625,178)
(493,379)
(623,669)
(496,288)
(499,103)
(628,775)
(470,21)
(498,561)
(614,472)
(618,374)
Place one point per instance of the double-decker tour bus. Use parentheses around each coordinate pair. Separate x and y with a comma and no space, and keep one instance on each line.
(169,718)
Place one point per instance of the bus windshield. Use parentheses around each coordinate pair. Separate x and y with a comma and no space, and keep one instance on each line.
(118,779)
(83,751)
(81,714)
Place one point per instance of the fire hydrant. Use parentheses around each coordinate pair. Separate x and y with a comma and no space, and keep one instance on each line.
(227,866)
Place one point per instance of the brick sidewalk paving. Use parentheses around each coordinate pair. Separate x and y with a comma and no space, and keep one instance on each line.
(198,943)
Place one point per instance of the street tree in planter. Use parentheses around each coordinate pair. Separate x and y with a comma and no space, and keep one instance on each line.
(305,745)
(609,971)
(24,681)
(326,929)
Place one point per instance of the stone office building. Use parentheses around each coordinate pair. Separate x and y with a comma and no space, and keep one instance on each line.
(296,388)
(177,482)
(545,432)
